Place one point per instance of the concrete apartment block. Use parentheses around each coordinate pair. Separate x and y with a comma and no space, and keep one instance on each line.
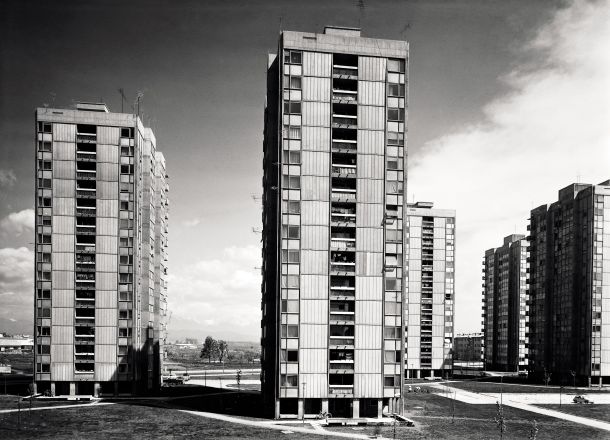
(570,286)
(100,188)
(333,215)
(505,317)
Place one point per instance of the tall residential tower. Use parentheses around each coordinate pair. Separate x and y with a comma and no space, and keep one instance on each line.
(101,261)
(333,215)
(429,304)
(570,286)
(505,317)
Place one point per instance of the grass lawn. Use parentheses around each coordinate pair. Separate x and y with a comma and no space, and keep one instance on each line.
(599,412)
(10,402)
(19,362)
(494,387)
(124,421)
(432,414)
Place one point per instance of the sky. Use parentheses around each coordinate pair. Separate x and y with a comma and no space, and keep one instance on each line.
(508,102)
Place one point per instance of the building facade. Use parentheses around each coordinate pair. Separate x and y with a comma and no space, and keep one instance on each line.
(505,310)
(570,286)
(429,292)
(468,349)
(333,214)
(101,239)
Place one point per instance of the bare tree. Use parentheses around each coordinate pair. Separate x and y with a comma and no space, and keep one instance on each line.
(499,419)
(533,430)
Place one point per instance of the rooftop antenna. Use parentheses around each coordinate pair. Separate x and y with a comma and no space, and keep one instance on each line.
(361,8)
(137,102)
(123,98)
(53,96)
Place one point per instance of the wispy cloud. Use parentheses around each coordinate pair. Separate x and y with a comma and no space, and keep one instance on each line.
(17,286)
(218,296)
(7,178)
(548,130)
(191,223)
(17,223)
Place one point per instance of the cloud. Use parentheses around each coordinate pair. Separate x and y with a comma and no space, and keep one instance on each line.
(547,131)
(192,222)
(217,297)
(17,223)
(17,287)
(7,178)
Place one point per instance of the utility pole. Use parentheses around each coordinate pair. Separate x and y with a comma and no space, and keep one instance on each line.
(123,98)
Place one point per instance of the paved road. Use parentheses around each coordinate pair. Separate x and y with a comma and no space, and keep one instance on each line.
(223,383)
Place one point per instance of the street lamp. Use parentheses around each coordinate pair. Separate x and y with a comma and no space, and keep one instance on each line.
(304,383)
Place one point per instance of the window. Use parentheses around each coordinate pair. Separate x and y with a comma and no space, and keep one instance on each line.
(123,368)
(396,65)
(43,368)
(292,132)
(292,82)
(292,182)
(127,132)
(290,306)
(290,281)
(392,356)
(44,202)
(290,231)
(124,350)
(44,293)
(391,381)
(43,349)
(292,57)
(44,183)
(45,165)
(289,355)
(293,157)
(124,333)
(45,146)
(289,380)
(293,207)
(125,314)
(43,312)
(292,107)
(395,138)
(396,114)
(396,90)
(290,331)
(391,333)
(290,256)
(43,331)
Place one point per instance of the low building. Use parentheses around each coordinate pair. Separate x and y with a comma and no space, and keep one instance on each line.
(16,344)
(468,349)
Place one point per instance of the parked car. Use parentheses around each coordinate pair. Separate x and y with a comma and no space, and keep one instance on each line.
(172,379)
(186,377)
(581,399)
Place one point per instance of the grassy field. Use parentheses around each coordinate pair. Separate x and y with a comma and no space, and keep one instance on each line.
(127,421)
(494,387)
(20,362)
(599,412)
(433,417)
(10,402)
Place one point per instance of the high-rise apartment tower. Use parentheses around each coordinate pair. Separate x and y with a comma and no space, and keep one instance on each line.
(333,214)
(570,286)
(429,290)
(505,317)
(101,252)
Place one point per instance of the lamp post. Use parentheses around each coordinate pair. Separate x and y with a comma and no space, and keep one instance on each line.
(304,383)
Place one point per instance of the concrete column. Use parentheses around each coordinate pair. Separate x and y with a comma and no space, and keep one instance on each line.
(391,405)
(589,380)
(34,388)
(379,408)
(301,409)
(72,388)
(432,374)
(277,408)
(356,408)
(600,381)
(52,388)
(419,374)
(325,405)
(96,389)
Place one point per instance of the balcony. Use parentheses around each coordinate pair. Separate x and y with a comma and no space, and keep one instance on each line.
(343,195)
(341,318)
(85,248)
(82,175)
(344,146)
(85,194)
(85,277)
(345,72)
(345,121)
(343,268)
(85,156)
(86,138)
(343,220)
(345,96)
(344,171)
(85,212)
(341,342)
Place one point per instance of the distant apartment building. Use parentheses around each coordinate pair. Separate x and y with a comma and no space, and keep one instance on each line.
(101,252)
(468,348)
(505,320)
(429,292)
(570,286)
(333,286)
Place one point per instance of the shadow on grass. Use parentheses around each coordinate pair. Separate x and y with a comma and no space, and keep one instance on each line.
(200,398)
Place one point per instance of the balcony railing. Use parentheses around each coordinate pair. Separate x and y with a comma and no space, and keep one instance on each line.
(343,121)
(344,146)
(343,195)
(343,244)
(344,170)
(85,248)
(81,175)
